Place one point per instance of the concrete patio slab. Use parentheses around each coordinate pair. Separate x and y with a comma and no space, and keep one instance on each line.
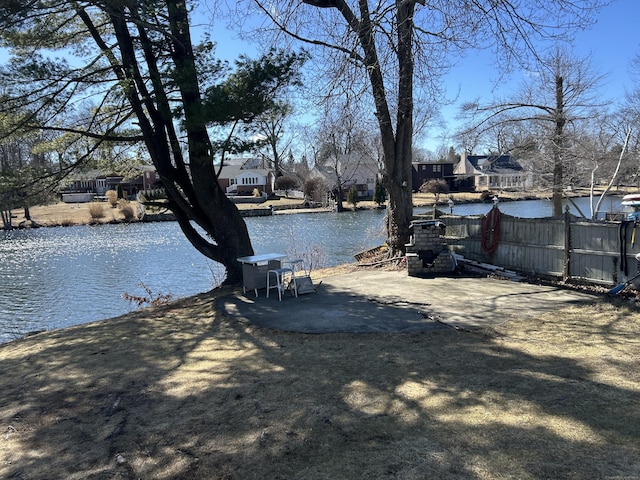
(380,301)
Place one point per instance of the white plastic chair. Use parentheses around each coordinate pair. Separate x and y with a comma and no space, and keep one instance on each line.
(281,281)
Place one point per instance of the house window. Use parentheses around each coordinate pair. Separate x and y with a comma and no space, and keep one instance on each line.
(437,168)
(423,167)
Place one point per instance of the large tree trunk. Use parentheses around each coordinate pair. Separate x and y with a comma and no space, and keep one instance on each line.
(217,214)
(558,145)
(396,145)
(399,216)
(194,194)
(401,209)
(339,193)
(208,204)
(225,224)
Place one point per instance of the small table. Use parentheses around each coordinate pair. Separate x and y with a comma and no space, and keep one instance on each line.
(255,268)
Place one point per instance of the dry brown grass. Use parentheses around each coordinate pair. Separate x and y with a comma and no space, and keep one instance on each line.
(67,214)
(112,197)
(96,211)
(180,392)
(126,210)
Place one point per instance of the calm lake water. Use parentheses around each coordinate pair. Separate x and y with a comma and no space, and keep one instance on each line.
(57,277)
(537,208)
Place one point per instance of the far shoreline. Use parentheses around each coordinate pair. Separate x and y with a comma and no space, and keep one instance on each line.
(75,214)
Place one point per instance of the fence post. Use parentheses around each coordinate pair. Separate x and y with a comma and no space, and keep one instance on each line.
(566,269)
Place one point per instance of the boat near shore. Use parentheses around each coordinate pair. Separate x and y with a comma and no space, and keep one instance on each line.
(631,206)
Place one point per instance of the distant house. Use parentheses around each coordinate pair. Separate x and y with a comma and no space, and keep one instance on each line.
(146,179)
(425,171)
(242,176)
(348,170)
(150,178)
(492,172)
(81,182)
(97,183)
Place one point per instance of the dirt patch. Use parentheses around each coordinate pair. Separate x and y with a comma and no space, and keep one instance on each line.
(180,391)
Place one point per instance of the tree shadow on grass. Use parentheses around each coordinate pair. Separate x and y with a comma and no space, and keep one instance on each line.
(186,393)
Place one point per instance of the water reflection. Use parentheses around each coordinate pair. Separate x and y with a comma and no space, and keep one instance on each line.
(534,208)
(338,236)
(57,277)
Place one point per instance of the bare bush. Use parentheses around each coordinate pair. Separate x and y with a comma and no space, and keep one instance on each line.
(149,298)
(315,189)
(435,186)
(314,256)
(112,198)
(96,211)
(286,183)
(126,210)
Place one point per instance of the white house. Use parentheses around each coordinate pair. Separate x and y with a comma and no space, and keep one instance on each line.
(242,178)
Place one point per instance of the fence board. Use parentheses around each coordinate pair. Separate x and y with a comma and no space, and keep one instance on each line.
(537,247)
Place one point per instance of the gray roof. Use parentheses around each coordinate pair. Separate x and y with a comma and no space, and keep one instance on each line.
(350,167)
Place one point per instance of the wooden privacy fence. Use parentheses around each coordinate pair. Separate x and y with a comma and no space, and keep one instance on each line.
(569,248)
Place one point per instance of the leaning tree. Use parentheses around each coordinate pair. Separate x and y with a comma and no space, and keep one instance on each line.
(147,80)
(396,52)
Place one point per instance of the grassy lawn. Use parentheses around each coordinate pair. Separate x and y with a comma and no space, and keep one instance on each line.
(180,392)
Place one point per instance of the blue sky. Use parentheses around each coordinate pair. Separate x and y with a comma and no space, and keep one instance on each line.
(613,42)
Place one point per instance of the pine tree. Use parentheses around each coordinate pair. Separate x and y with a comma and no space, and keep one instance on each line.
(352,196)
(379,193)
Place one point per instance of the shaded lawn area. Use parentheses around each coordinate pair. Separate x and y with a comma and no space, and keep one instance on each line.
(180,392)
